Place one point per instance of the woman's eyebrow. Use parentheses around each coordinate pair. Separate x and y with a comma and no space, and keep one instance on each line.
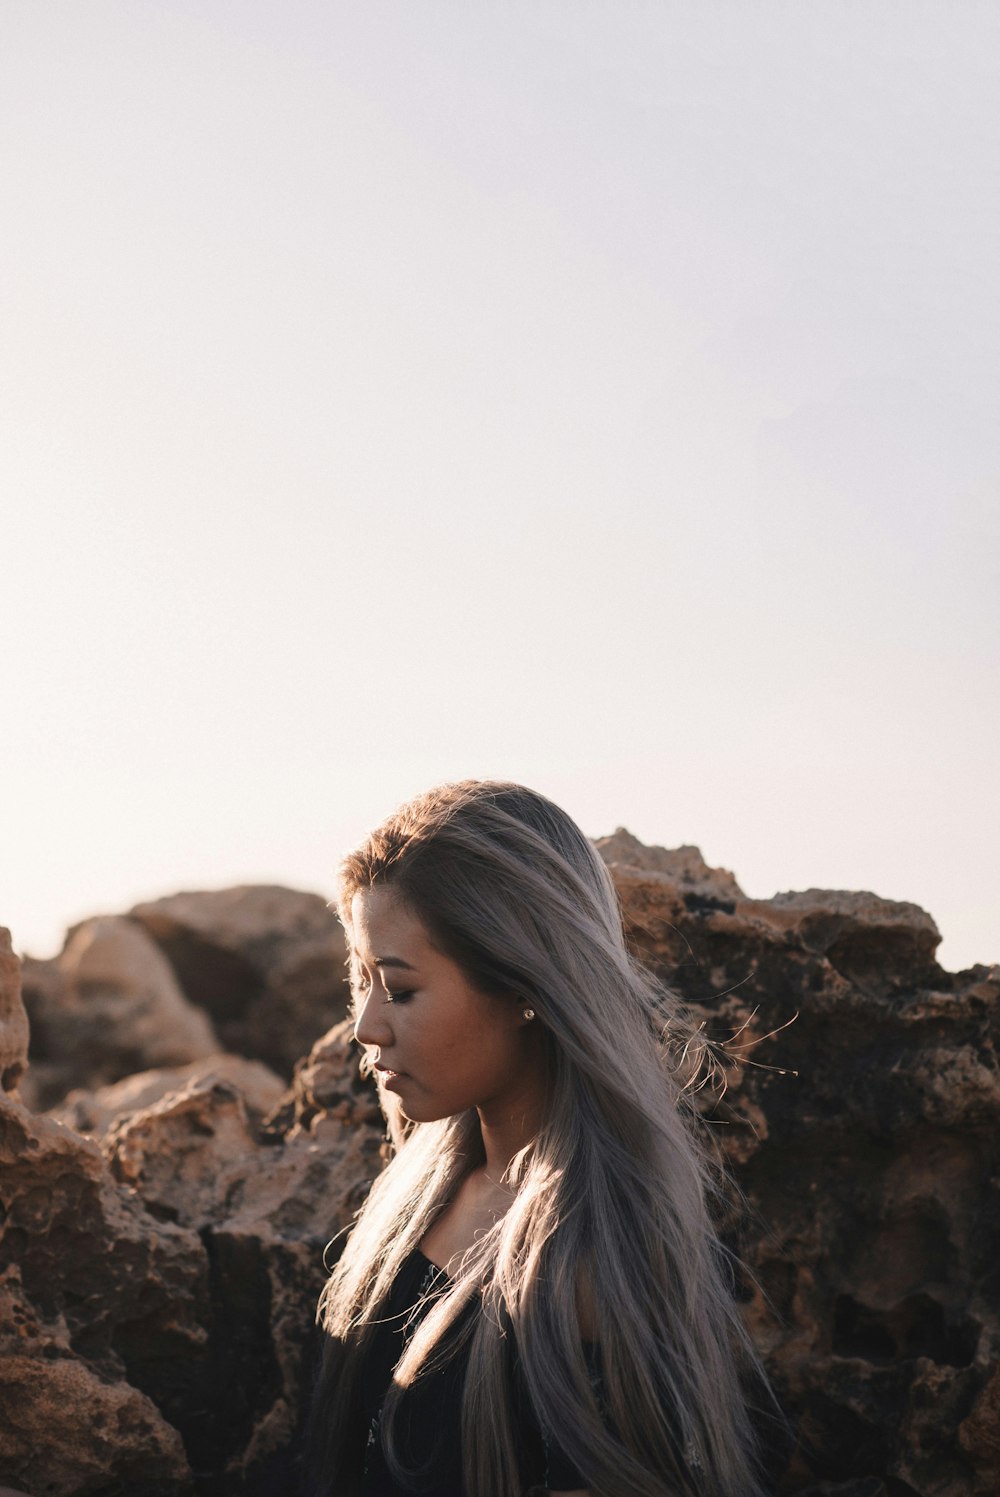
(387,961)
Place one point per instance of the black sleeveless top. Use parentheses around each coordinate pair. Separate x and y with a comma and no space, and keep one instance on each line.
(428,1421)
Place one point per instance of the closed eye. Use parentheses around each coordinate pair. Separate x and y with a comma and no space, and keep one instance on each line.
(403,996)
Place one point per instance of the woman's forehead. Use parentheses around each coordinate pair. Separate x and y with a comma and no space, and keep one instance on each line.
(383,927)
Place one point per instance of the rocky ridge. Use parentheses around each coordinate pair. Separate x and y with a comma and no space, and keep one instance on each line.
(160,1258)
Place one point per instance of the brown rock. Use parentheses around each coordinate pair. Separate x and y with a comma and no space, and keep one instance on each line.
(174,1293)
(193,1158)
(858,933)
(104,1429)
(328,1083)
(92,1291)
(979,1437)
(95,1112)
(266,963)
(266,1215)
(13,1019)
(163,1317)
(180,1269)
(865,1137)
(108,1006)
(684,867)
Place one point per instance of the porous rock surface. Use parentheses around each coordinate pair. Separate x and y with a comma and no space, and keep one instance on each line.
(163,1281)
(865,1138)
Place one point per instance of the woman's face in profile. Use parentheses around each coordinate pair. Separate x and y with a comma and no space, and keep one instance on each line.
(435,1040)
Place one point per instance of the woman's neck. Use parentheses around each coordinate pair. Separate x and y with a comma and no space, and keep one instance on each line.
(505,1135)
(510,1121)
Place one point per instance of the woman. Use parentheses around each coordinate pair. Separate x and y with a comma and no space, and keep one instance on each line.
(533,1297)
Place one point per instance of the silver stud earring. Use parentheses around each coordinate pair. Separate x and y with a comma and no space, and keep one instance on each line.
(528,1014)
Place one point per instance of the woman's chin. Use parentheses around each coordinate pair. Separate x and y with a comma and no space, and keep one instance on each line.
(416,1112)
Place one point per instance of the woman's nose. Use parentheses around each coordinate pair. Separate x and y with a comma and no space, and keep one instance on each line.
(371,1025)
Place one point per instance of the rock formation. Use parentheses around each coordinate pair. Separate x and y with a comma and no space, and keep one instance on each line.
(158,1281)
(266,963)
(864,1139)
(256,971)
(108,1006)
(13,1020)
(157,1292)
(84,1272)
(95,1111)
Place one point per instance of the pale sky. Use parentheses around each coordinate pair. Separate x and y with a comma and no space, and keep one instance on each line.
(603,396)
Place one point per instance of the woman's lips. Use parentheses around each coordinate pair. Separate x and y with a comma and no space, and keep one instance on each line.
(388,1076)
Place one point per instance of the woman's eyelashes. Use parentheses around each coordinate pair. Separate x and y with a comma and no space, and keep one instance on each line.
(361,987)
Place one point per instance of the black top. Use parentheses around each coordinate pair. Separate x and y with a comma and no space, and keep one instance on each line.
(428,1421)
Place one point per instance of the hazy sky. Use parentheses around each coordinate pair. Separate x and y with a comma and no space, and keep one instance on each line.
(599,395)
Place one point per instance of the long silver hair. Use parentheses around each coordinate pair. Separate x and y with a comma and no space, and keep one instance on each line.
(612,1214)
